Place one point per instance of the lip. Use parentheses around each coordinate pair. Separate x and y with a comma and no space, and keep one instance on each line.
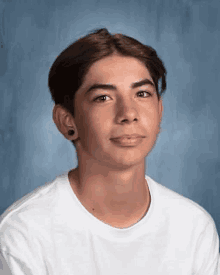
(129,136)
(127,141)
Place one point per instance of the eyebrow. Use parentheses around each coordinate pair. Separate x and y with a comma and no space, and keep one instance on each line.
(113,87)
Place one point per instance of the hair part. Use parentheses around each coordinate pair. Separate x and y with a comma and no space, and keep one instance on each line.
(71,66)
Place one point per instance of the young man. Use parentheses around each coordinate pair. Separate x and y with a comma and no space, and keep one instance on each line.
(106,216)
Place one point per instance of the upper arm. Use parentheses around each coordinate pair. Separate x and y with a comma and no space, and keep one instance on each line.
(207,252)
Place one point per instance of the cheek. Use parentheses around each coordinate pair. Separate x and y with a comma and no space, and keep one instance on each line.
(152,121)
(94,125)
(100,124)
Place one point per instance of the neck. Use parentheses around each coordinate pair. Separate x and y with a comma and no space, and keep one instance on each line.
(107,192)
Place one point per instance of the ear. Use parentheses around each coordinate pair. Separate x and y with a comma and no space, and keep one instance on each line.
(64,122)
(160,106)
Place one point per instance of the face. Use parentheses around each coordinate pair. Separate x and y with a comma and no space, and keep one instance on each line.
(117,97)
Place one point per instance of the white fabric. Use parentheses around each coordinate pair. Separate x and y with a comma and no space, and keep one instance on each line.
(49,232)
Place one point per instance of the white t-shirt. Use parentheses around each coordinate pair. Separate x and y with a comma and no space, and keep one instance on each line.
(49,232)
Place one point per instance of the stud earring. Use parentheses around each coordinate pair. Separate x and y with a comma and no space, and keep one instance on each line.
(71,132)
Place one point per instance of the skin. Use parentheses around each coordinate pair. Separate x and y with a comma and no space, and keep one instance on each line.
(110,180)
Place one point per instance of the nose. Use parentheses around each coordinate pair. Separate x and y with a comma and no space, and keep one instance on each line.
(126,112)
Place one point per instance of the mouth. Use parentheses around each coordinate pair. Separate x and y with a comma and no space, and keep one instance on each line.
(129,136)
(127,141)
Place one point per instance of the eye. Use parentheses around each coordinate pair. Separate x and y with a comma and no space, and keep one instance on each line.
(146,93)
(100,98)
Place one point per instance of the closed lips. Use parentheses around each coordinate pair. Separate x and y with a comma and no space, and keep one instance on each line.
(128,136)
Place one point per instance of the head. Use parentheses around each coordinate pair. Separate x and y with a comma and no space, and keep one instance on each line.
(73,66)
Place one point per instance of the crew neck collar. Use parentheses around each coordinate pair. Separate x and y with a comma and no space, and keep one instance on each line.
(101,228)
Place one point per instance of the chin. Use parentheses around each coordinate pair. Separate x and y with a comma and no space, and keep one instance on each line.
(123,162)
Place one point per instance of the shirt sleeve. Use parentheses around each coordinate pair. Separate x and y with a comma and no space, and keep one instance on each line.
(12,265)
(20,252)
(4,268)
(207,252)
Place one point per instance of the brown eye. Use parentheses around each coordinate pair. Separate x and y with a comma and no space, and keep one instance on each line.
(147,94)
(100,98)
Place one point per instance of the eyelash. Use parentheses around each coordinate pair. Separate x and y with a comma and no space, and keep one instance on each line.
(149,94)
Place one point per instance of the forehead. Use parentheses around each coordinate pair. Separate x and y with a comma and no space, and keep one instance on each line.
(117,69)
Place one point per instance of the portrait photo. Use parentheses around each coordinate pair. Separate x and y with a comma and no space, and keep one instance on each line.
(109,137)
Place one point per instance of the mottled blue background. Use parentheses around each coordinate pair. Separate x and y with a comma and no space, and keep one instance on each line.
(186,34)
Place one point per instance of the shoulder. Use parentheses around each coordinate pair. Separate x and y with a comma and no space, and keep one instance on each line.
(184,222)
(178,209)
(29,216)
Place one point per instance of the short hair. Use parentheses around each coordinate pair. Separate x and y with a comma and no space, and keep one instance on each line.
(69,69)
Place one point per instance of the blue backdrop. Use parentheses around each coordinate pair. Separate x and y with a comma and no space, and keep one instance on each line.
(186,35)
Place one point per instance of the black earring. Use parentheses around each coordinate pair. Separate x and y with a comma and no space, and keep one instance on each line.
(71,132)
